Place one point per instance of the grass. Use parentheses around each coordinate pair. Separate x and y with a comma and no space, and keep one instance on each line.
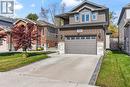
(9,61)
(115,70)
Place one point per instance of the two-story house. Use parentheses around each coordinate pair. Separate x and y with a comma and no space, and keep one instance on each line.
(83,29)
(124,29)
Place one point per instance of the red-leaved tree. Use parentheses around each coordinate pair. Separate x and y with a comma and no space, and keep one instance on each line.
(24,36)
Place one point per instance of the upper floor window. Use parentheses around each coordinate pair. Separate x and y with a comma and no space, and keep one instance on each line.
(94,16)
(85,17)
(76,17)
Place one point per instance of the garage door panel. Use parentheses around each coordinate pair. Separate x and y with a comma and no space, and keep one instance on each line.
(81,46)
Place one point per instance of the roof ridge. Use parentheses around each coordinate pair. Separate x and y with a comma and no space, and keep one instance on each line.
(87,1)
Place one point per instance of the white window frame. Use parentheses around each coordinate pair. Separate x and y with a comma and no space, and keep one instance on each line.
(85,13)
(95,16)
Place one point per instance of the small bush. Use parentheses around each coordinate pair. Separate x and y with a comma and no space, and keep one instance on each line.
(40,49)
(25,55)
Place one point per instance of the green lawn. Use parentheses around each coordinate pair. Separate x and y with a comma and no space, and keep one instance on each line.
(115,70)
(9,61)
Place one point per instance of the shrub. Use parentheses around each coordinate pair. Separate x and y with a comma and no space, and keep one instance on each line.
(40,49)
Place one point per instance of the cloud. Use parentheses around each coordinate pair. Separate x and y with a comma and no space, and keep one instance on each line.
(32,5)
(18,5)
(70,3)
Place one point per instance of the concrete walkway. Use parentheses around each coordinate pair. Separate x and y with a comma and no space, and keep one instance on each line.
(57,71)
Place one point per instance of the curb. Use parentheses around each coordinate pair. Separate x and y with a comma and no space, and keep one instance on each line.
(96,72)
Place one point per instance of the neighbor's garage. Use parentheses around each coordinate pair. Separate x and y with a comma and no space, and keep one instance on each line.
(80,45)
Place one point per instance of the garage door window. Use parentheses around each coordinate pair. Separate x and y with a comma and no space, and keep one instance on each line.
(77,38)
(88,37)
(93,37)
(72,38)
(68,38)
(82,38)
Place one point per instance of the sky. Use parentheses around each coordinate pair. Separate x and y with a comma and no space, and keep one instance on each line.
(24,7)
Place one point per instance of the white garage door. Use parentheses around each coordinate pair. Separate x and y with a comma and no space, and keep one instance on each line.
(80,45)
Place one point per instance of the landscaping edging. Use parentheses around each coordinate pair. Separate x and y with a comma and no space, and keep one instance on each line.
(96,72)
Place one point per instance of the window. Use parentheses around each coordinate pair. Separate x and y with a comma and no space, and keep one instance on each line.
(94,16)
(51,30)
(83,17)
(68,38)
(76,17)
(88,37)
(72,38)
(93,37)
(1,41)
(87,17)
(77,38)
(82,37)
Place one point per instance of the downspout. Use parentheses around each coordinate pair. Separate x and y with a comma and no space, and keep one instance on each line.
(36,37)
(10,42)
(9,35)
(104,27)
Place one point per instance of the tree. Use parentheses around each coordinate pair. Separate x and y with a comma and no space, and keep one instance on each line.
(112,26)
(112,17)
(44,14)
(32,16)
(23,37)
(53,10)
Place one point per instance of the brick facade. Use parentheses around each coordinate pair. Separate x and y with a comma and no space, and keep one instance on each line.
(97,31)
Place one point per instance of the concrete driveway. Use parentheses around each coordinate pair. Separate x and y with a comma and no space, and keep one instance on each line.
(72,70)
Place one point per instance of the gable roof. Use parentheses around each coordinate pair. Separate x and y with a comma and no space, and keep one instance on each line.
(91,3)
(7,19)
(122,12)
(98,7)
(24,20)
(6,22)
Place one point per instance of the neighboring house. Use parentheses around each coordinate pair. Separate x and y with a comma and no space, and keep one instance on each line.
(47,33)
(83,29)
(124,29)
(5,26)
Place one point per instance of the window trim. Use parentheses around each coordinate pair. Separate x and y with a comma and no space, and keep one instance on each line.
(85,14)
(75,16)
(82,18)
(95,16)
